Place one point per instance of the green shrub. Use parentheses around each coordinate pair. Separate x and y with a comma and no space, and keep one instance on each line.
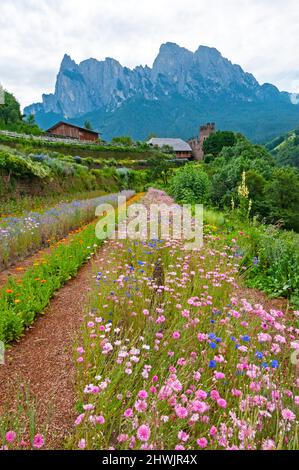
(19,166)
(190,185)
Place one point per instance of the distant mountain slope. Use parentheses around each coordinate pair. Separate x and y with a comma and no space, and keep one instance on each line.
(180,91)
(286,148)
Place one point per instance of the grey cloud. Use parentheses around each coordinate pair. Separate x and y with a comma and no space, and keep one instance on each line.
(260,35)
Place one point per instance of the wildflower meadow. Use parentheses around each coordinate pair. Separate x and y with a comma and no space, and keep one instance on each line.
(172,354)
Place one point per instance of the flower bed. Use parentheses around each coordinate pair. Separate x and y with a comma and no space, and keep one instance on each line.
(21,236)
(172,356)
(22,299)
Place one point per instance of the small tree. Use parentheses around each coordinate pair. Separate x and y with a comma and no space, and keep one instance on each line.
(160,166)
(216,142)
(88,125)
(30,120)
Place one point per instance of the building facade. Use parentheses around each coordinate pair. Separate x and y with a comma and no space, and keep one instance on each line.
(181,148)
(196,143)
(70,131)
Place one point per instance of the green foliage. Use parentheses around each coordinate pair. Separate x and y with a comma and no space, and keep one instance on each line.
(215,143)
(282,195)
(10,111)
(11,118)
(52,172)
(160,166)
(123,140)
(273,191)
(288,155)
(190,185)
(272,258)
(20,166)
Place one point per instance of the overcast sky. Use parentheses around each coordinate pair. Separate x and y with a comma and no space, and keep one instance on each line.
(260,35)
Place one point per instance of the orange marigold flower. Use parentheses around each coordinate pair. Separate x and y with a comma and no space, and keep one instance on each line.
(9,291)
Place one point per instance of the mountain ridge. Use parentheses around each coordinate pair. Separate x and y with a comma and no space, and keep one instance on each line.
(103,89)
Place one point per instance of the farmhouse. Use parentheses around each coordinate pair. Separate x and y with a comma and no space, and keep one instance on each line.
(180,147)
(70,131)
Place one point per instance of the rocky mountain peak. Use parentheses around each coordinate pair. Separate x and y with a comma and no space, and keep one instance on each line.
(177,75)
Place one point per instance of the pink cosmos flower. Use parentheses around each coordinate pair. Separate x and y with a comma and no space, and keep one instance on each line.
(10,436)
(197,376)
(179,447)
(122,438)
(82,444)
(128,413)
(183,436)
(288,415)
(202,442)
(215,395)
(236,393)
(140,405)
(213,431)
(143,433)
(182,361)
(38,441)
(79,419)
(268,444)
(100,419)
(142,394)
(176,335)
(221,403)
(219,375)
(181,412)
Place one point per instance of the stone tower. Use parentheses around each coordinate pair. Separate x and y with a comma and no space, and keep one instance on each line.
(197,143)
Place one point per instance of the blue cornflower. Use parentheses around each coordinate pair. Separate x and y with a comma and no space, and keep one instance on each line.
(212,364)
(274,364)
(232,338)
(246,338)
(212,336)
(213,345)
(259,355)
(265,365)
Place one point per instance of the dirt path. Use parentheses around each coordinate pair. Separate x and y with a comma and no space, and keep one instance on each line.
(43,359)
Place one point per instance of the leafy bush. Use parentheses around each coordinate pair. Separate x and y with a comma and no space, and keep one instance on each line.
(215,143)
(190,185)
(272,258)
(16,165)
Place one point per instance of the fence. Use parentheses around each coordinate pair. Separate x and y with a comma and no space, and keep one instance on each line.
(45,138)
